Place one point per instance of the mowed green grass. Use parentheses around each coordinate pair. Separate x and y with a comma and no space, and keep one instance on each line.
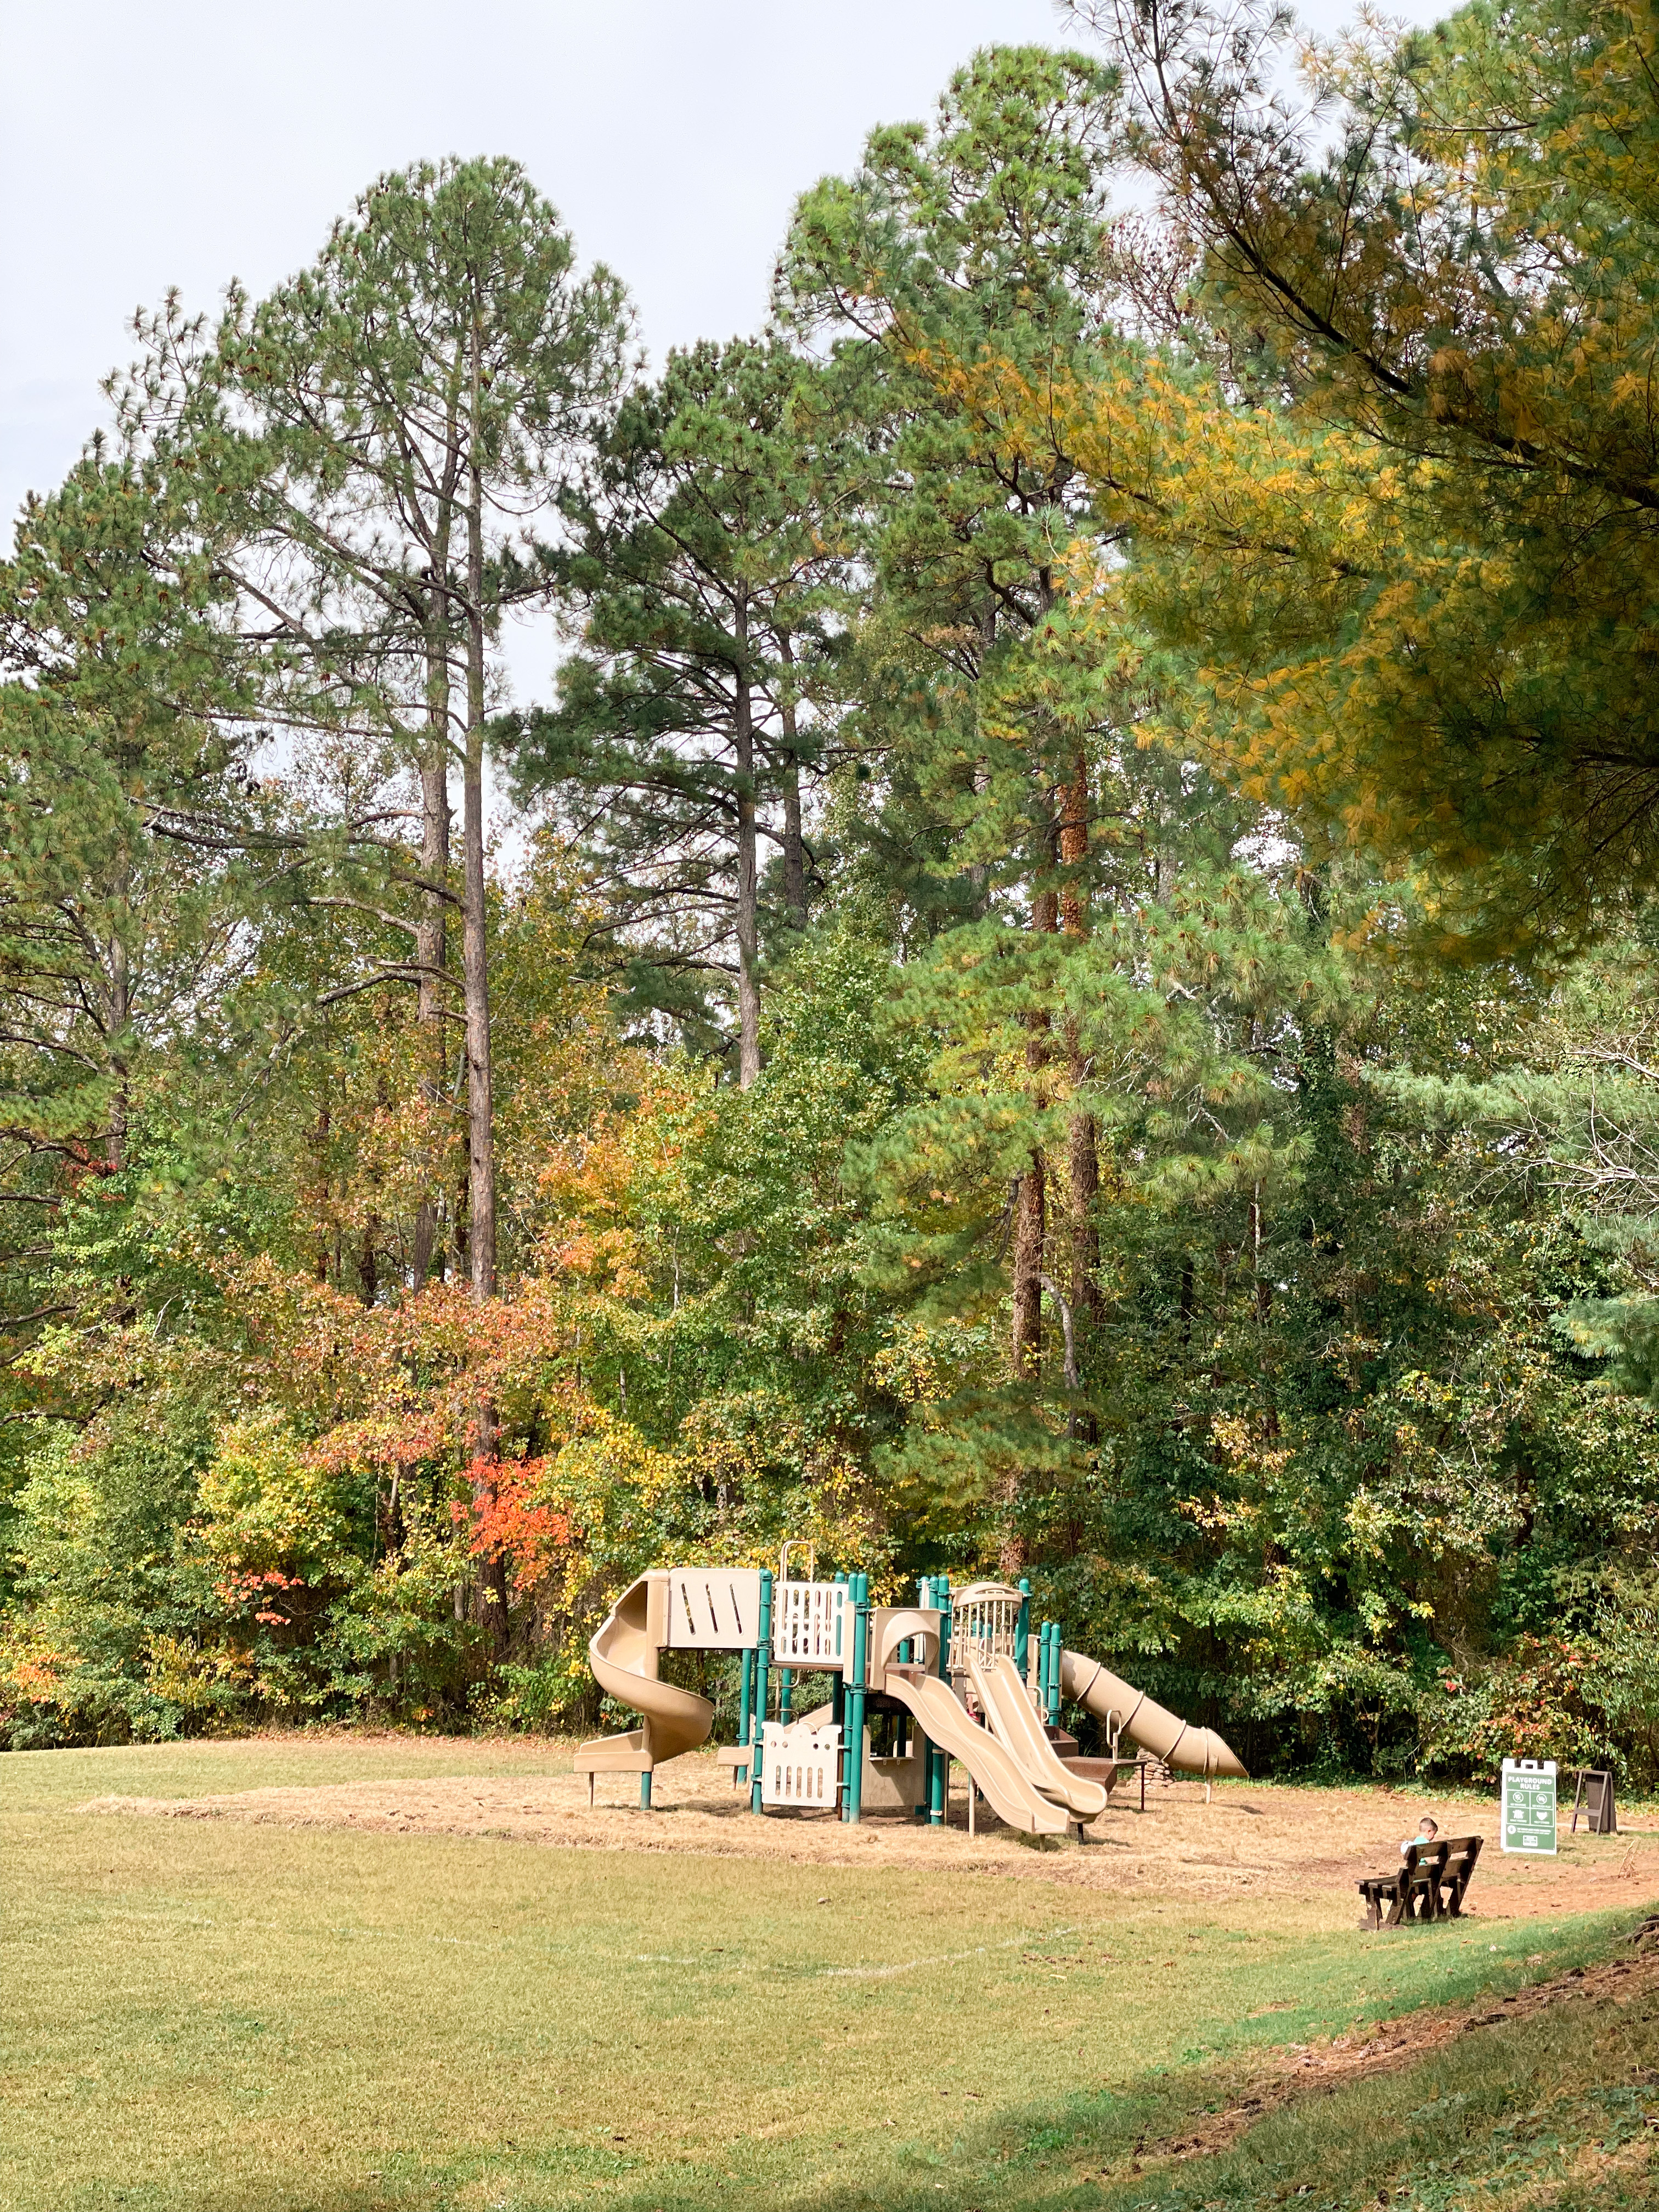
(202,2013)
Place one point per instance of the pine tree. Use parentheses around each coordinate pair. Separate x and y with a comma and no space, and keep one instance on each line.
(416,398)
(983,238)
(713,541)
(397,420)
(1410,532)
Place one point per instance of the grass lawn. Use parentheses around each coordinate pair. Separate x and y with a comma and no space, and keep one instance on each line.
(201,2014)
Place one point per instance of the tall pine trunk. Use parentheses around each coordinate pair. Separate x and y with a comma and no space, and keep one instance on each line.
(118,1002)
(748,875)
(1030,1235)
(1083,1153)
(1030,1228)
(431,931)
(794,844)
(119,1014)
(475,975)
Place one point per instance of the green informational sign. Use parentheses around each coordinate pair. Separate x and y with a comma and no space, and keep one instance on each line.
(1529,1806)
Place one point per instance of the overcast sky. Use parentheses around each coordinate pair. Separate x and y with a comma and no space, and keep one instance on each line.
(150,142)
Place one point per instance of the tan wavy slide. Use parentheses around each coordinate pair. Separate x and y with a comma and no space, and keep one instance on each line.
(1189,1750)
(993,1766)
(1006,1704)
(623,1654)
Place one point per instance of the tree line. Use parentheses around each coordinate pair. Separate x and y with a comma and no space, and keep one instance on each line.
(1060,984)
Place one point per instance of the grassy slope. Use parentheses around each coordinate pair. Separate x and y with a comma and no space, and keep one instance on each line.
(1549,2114)
(202,2014)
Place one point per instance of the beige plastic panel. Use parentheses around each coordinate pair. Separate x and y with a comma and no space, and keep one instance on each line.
(714,1609)
(811,1625)
(892,1625)
(800,1763)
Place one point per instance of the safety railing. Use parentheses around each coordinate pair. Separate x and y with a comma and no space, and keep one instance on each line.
(984,1623)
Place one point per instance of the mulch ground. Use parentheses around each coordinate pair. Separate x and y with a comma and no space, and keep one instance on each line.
(1250,1840)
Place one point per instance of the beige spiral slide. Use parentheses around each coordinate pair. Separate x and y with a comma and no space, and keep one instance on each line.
(1132,1712)
(623,1653)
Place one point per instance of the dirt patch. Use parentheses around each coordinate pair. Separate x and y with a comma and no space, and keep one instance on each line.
(1249,1841)
(1300,2071)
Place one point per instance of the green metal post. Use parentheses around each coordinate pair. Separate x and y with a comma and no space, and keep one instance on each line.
(924,1811)
(762,1652)
(838,1688)
(860,1597)
(857,1702)
(849,1794)
(1023,1629)
(1054,1672)
(939,1592)
(645,1791)
(786,1694)
(745,1704)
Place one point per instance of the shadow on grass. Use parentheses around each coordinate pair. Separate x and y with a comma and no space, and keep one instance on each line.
(1549,2110)
(1556,2109)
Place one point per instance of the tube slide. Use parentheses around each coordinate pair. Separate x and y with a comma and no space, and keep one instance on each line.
(1193,1751)
(623,1655)
(1008,1708)
(945,1724)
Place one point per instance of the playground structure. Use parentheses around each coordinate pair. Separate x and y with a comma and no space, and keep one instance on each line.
(961,1674)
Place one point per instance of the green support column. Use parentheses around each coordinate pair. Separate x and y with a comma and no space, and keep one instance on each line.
(786,1694)
(645,1791)
(859,1593)
(924,1811)
(838,1687)
(762,1653)
(745,1704)
(939,1766)
(1023,1629)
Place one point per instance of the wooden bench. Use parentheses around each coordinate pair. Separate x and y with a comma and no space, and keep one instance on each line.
(1429,1885)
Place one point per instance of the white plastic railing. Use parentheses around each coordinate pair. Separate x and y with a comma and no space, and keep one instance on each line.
(800,1764)
(984,1619)
(810,1624)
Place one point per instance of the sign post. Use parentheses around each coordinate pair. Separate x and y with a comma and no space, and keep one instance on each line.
(1528,1806)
